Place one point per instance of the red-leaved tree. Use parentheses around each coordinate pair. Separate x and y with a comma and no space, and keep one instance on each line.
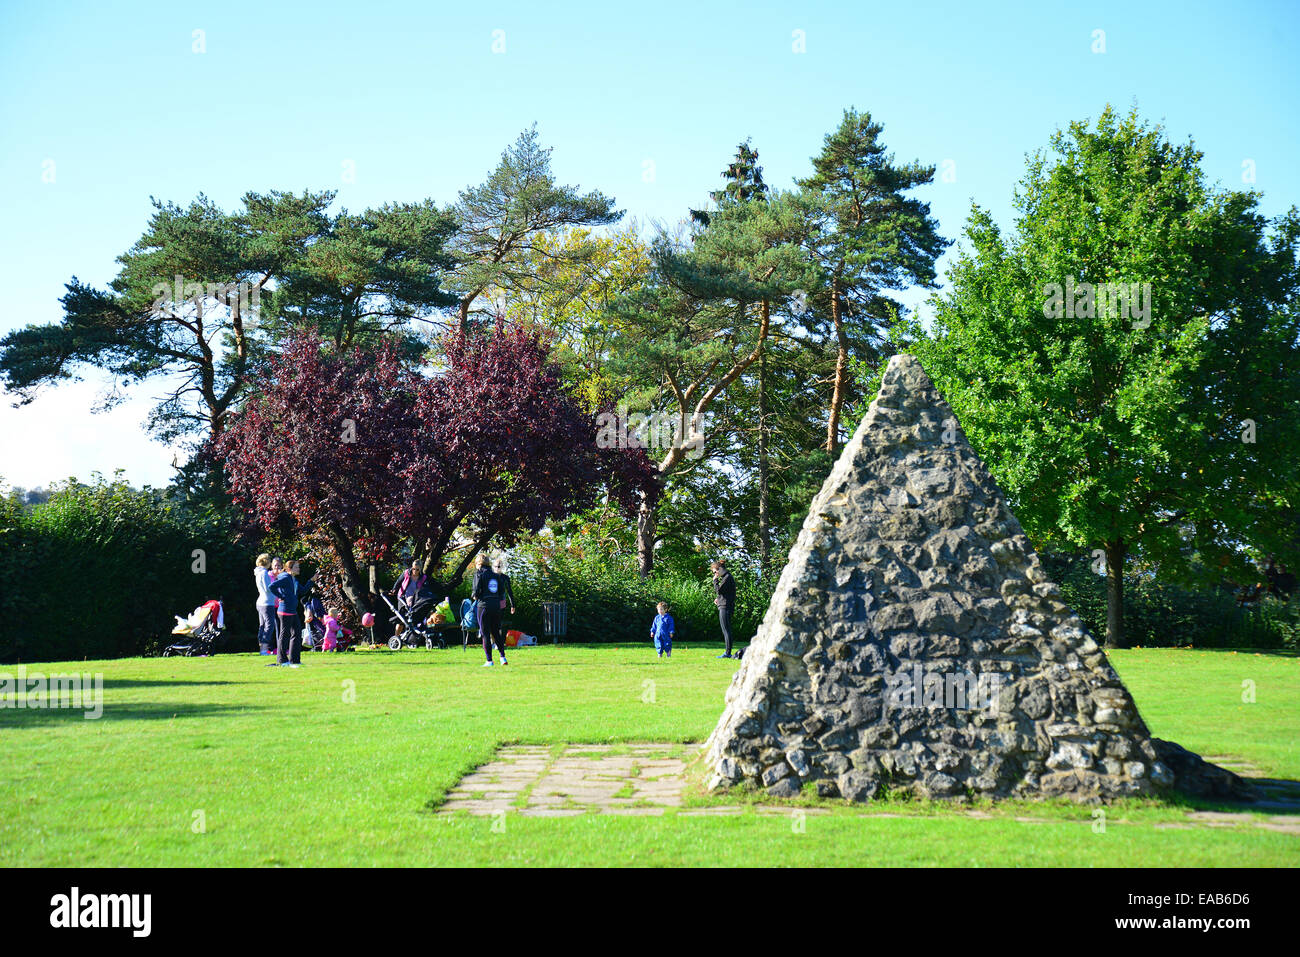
(359,454)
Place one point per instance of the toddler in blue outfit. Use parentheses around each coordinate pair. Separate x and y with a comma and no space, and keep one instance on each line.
(662,631)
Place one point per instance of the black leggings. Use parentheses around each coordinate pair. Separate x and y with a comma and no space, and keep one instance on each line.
(724,619)
(489,627)
(289,639)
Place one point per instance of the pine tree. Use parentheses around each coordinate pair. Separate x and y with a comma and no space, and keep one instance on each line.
(867,237)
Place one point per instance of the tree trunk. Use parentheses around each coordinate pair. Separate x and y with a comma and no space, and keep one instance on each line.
(353,587)
(764,532)
(645,539)
(480,543)
(1115,552)
(841,370)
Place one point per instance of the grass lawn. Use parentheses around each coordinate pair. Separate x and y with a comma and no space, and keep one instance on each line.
(285,770)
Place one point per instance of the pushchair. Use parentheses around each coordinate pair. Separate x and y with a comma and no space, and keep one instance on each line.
(468,621)
(414,627)
(314,634)
(313,613)
(197,635)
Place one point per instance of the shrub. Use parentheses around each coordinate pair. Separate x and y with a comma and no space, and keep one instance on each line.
(99,570)
(609,601)
(1160,613)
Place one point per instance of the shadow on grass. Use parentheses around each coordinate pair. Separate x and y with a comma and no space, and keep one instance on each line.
(11,717)
(1276,796)
(1266,652)
(173,682)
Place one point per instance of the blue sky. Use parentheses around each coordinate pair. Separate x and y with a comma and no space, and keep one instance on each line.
(415,98)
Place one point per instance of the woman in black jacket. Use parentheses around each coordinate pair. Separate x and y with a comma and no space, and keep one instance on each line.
(489,591)
(725,588)
(507,593)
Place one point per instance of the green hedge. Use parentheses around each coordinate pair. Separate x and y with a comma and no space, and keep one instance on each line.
(609,601)
(99,571)
(1162,614)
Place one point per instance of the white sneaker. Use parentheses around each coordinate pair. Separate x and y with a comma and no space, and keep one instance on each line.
(503,660)
(487,664)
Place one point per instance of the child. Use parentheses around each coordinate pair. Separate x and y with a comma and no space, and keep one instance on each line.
(662,631)
(332,629)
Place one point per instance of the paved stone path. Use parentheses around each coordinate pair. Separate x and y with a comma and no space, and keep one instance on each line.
(534,780)
(541,781)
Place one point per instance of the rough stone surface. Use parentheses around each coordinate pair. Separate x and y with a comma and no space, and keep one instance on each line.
(915,644)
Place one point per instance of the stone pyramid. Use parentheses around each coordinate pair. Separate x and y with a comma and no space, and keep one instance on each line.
(914,643)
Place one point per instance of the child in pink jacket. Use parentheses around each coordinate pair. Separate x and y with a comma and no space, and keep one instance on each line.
(333,627)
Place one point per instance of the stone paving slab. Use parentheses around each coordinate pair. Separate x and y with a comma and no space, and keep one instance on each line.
(532,780)
(647,779)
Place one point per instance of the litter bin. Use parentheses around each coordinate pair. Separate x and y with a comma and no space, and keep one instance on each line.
(555,619)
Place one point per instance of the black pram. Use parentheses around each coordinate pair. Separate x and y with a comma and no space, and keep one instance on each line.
(415,629)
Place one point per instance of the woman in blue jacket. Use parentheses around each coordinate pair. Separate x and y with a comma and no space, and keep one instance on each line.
(289,631)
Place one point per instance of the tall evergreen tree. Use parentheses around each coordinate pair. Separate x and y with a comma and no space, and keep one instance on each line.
(703,319)
(500,219)
(868,237)
(182,310)
(744,181)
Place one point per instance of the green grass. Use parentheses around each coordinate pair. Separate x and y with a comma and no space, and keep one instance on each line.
(286,772)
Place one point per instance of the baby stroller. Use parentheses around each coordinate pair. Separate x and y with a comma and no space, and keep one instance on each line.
(415,629)
(314,634)
(197,635)
(468,621)
(313,612)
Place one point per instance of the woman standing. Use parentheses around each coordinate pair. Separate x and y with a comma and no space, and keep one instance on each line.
(488,592)
(724,586)
(265,604)
(289,645)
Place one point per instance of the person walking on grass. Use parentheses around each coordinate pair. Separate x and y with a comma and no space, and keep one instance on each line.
(661,630)
(725,588)
(488,592)
(507,593)
(289,643)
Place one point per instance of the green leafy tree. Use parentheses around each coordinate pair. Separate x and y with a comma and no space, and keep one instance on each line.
(1126,358)
(578,276)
